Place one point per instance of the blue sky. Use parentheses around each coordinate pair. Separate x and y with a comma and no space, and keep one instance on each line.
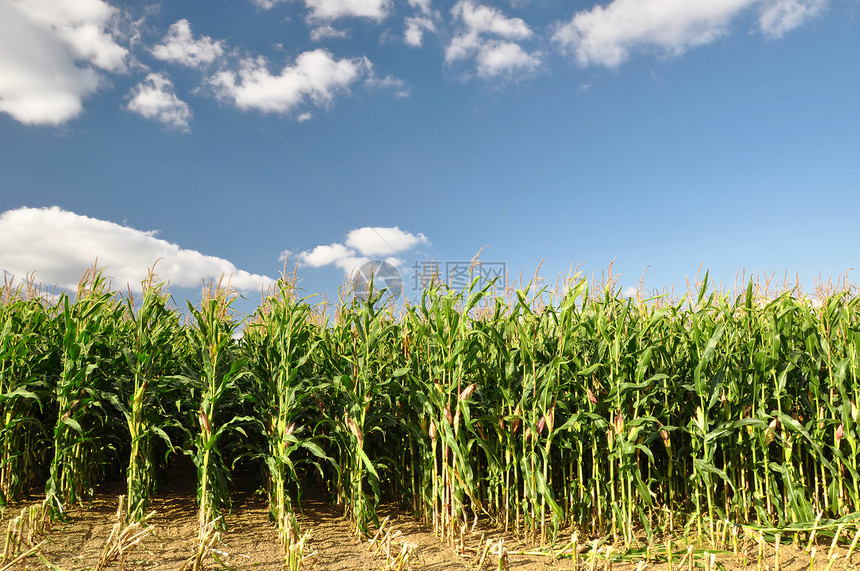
(227,136)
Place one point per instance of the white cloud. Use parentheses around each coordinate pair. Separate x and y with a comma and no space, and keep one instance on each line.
(322,32)
(325,255)
(80,24)
(329,10)
(782,16)
(59,246)
(47,52)
(491,39)
(485,19)
(333,9)
(378,241)
(362,245)
(462,47)
(315,77)
(302,117)
(179,46)
(629,291)
(154,99)
(498,58)
(333,254)
(607,34)
(413,35)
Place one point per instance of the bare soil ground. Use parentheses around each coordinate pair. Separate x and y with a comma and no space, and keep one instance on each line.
(251,543)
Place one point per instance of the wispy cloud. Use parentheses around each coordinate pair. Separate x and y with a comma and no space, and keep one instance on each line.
(59,246)
(415,26)
(425,6)
(180,47)
(315,77)
(398,86)
(778,18)
(492,40)
(49,52)
(320,33)
(423,20)
(607,34)
(267,4)
(154,98)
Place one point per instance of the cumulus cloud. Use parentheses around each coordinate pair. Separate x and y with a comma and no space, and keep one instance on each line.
(362,245)
(498,58)
(328,10)
(154,98)
(324,255)
(485,19)
(491,39)
(81,26)
(315,77)
(49,50)
(333,9)
(607,34)
(180,47)
(59,246)
(333,254)
(379,241)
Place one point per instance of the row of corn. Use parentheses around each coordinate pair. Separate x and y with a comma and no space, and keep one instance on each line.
(535,410)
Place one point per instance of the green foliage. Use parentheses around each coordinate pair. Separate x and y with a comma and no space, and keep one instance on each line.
(214,370)
(151,334)
(86,438)
(27,359)
(535,410)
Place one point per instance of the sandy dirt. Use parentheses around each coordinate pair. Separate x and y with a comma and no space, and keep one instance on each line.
(251,543)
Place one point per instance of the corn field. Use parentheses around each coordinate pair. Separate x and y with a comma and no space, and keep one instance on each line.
(534,411)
